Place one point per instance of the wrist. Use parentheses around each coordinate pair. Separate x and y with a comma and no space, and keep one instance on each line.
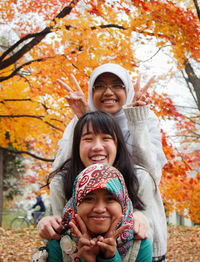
(115,258)
(135,114)
(86,110)
(103,257)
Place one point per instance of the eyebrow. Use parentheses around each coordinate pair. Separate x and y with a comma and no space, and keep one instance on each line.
(87,133)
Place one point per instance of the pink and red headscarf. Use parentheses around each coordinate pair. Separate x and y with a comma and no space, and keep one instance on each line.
(101,176)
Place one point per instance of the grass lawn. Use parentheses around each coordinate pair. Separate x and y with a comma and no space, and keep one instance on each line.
(9,215)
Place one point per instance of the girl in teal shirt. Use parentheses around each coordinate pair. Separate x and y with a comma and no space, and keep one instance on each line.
(100,216)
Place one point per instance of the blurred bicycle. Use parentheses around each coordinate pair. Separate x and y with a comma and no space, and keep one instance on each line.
(28,220)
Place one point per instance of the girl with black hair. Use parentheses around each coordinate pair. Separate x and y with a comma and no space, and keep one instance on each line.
(88,127)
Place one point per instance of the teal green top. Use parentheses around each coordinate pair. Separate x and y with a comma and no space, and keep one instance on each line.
(54,251)
(144,254)
(145,251)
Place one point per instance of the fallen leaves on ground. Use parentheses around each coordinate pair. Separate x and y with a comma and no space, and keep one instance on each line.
(19,245)
(183,244)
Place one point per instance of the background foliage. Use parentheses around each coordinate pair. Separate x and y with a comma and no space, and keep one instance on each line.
(13,171)
(47,40)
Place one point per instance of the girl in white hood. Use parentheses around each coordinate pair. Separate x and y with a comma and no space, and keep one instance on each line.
(114,101)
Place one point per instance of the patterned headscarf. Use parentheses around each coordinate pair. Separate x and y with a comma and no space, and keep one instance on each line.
(101,176)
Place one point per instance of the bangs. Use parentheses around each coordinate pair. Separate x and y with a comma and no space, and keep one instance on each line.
(101,125)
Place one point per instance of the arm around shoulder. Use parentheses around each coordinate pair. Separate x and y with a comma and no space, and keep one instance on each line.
(57,196)
(146,194)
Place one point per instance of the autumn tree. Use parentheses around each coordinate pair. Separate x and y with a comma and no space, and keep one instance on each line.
(75,37)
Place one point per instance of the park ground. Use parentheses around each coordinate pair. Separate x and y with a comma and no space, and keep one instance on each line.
(19,245)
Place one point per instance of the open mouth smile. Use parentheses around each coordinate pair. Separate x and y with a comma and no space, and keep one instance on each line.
(109,101)
(98,158)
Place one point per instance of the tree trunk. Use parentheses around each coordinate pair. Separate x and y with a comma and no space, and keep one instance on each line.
(1,186)
(194,81)
(197,8)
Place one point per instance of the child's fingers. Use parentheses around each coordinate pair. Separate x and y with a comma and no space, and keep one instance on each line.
(137,85)
(120,230)
(76,84)
(64,85)
(108,246)
(151,80)
(107,241)
(81,224)
(114,224)
(84,241)
(75,230)
(100,238)
(102,244)
(93,241)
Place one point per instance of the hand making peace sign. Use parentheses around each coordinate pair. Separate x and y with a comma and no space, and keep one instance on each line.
(108,243)
(140,98)
(87,247)
(76,99)
(90,247)
(78,102)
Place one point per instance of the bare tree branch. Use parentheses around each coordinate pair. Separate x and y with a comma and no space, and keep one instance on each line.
(181,155)
(32,101)
(159,49)
(189,107)
(20,67)
(31,116)
(28,153)
(37,39)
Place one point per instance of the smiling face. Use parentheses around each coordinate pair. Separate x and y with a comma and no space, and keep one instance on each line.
(98,210)
(97,147)
(109,100)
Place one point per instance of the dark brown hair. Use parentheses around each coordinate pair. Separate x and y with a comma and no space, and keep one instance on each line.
(101,123)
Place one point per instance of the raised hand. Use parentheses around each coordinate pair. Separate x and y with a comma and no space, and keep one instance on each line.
(140,98)
(108,243)
(87,247)
(76,99)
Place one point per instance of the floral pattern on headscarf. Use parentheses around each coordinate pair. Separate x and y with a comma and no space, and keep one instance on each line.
(101,176)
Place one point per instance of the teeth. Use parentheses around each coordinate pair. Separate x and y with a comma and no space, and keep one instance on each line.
(109,101)
(98,158)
